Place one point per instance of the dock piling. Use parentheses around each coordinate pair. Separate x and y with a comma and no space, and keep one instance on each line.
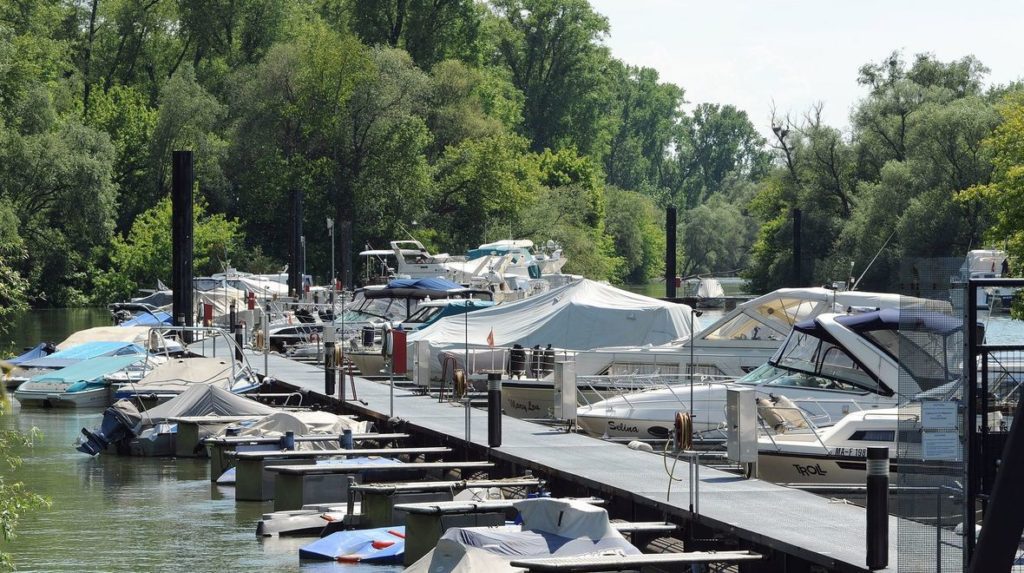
(878,507)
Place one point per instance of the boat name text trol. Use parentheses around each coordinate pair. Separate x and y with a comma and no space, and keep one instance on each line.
(815,470)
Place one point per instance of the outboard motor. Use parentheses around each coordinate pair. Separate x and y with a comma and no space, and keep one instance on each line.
(119,422)
(517,361)
(547,362)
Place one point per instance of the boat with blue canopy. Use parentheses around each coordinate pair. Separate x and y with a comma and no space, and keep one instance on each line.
(79,385)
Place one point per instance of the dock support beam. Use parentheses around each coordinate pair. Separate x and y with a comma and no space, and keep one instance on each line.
(670,252)
(182,179)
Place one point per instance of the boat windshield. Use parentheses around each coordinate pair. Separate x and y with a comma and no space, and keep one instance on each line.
(932,358)
(773,376)
(770,320)
(424,314)
(807,354)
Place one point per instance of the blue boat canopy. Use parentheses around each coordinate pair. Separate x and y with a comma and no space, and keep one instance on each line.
(84,351)
(436,283)
(88,370)
(42,349)
(887,319)
(158,318)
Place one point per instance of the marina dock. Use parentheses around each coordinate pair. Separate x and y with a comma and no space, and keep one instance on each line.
(795,530)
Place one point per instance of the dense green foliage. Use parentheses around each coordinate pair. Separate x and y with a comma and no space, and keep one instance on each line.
(461,122)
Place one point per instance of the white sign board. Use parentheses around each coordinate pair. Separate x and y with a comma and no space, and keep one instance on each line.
(939,415)
(940,446)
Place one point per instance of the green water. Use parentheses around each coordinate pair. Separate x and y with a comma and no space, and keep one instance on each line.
(112,514)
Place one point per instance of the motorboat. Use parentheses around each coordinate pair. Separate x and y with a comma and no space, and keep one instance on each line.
(392,306)
(549,528)
(74,354)
(177,375)
(80,385)
(38,351)
(126,430)
(710,293)
(985,264)
(828,366)
(731,347)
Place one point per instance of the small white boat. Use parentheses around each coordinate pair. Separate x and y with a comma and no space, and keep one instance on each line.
(177,375)
(80,385)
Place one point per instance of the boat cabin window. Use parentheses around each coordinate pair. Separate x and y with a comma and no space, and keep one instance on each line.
(745,327)
(774,377)
(874,435)
(424,314)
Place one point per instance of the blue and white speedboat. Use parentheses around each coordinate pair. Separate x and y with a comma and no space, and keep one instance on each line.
(71,356)
(80,385)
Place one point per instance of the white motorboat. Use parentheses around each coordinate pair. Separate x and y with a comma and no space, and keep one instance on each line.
(177,375)
(731,347)
(80,385)
(829,366)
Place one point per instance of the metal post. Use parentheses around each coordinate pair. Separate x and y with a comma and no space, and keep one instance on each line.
(266,343)
(182,181)
(494,409)
(288,441)
(347,443)
(878,507)
(391,386)
(239,344)
(329,367)
(693,312)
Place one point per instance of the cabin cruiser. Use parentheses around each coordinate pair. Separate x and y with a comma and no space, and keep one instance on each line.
(392,305)
(731,347)
(986,264)
(828,366)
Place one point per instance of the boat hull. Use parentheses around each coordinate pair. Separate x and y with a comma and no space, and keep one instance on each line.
(90,398)
(799,468)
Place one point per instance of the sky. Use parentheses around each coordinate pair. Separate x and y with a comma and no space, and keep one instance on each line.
(754,54)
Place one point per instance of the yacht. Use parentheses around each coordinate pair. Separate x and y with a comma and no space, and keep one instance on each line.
(733,346)
(829,366)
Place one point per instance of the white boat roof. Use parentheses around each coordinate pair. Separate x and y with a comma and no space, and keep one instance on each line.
(377,253)
(512,243)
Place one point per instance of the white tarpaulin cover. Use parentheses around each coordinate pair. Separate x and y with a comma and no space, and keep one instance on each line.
(579,316)
(551,528)
(174,376)
(304,423)
(137,334)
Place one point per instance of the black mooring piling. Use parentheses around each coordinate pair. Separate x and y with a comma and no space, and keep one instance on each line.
(182,179)
(670,252)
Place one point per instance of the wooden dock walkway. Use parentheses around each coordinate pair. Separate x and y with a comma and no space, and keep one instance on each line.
(788,521)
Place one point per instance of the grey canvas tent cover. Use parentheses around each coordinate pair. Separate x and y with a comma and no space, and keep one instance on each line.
(579,316)
(204,400)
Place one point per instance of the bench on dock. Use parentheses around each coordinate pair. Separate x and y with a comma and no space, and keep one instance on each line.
(298,485)
(630,562)
(425,523)
(378,500)
(218,447)
(253,481)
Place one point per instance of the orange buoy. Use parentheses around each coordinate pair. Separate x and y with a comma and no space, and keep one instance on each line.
(349,559)
(381,544)
(396,533)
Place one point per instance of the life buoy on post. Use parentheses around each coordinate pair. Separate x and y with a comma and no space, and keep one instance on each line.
(386,341)
(459,383)
(683,431)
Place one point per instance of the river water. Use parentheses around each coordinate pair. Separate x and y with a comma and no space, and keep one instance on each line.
(112,514)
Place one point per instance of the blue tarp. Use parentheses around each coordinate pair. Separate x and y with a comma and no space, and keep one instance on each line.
(381,545)
(425,284)
(88,370)
(38,352)
(158,318)
(85,351)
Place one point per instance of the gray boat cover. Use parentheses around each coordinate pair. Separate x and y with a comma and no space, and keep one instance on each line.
(551,528)
(204,400)
(179,374)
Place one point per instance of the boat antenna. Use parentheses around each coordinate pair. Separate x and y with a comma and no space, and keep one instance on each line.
(867,268)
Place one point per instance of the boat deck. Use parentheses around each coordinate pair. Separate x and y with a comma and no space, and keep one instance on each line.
(786,520)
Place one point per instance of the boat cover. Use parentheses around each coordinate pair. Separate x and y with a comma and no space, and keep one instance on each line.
(710,288)
(80,352)
(579,316)
(180,373)
(551,528)
(303,423)
(88,370)
(380,545)
(158,318)
(136,334)
(203,400)
(42,349)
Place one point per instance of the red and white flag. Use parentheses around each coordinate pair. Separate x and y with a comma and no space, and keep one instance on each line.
(490,339)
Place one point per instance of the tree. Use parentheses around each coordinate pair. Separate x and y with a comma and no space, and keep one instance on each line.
(144,256)
(429,30)
(635,224)
(553,50)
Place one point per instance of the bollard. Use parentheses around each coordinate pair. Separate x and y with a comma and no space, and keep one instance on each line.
(231,317)
(329,368)
(346,439)
(494,409)
(288,441)
(878,508)
(239,343)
